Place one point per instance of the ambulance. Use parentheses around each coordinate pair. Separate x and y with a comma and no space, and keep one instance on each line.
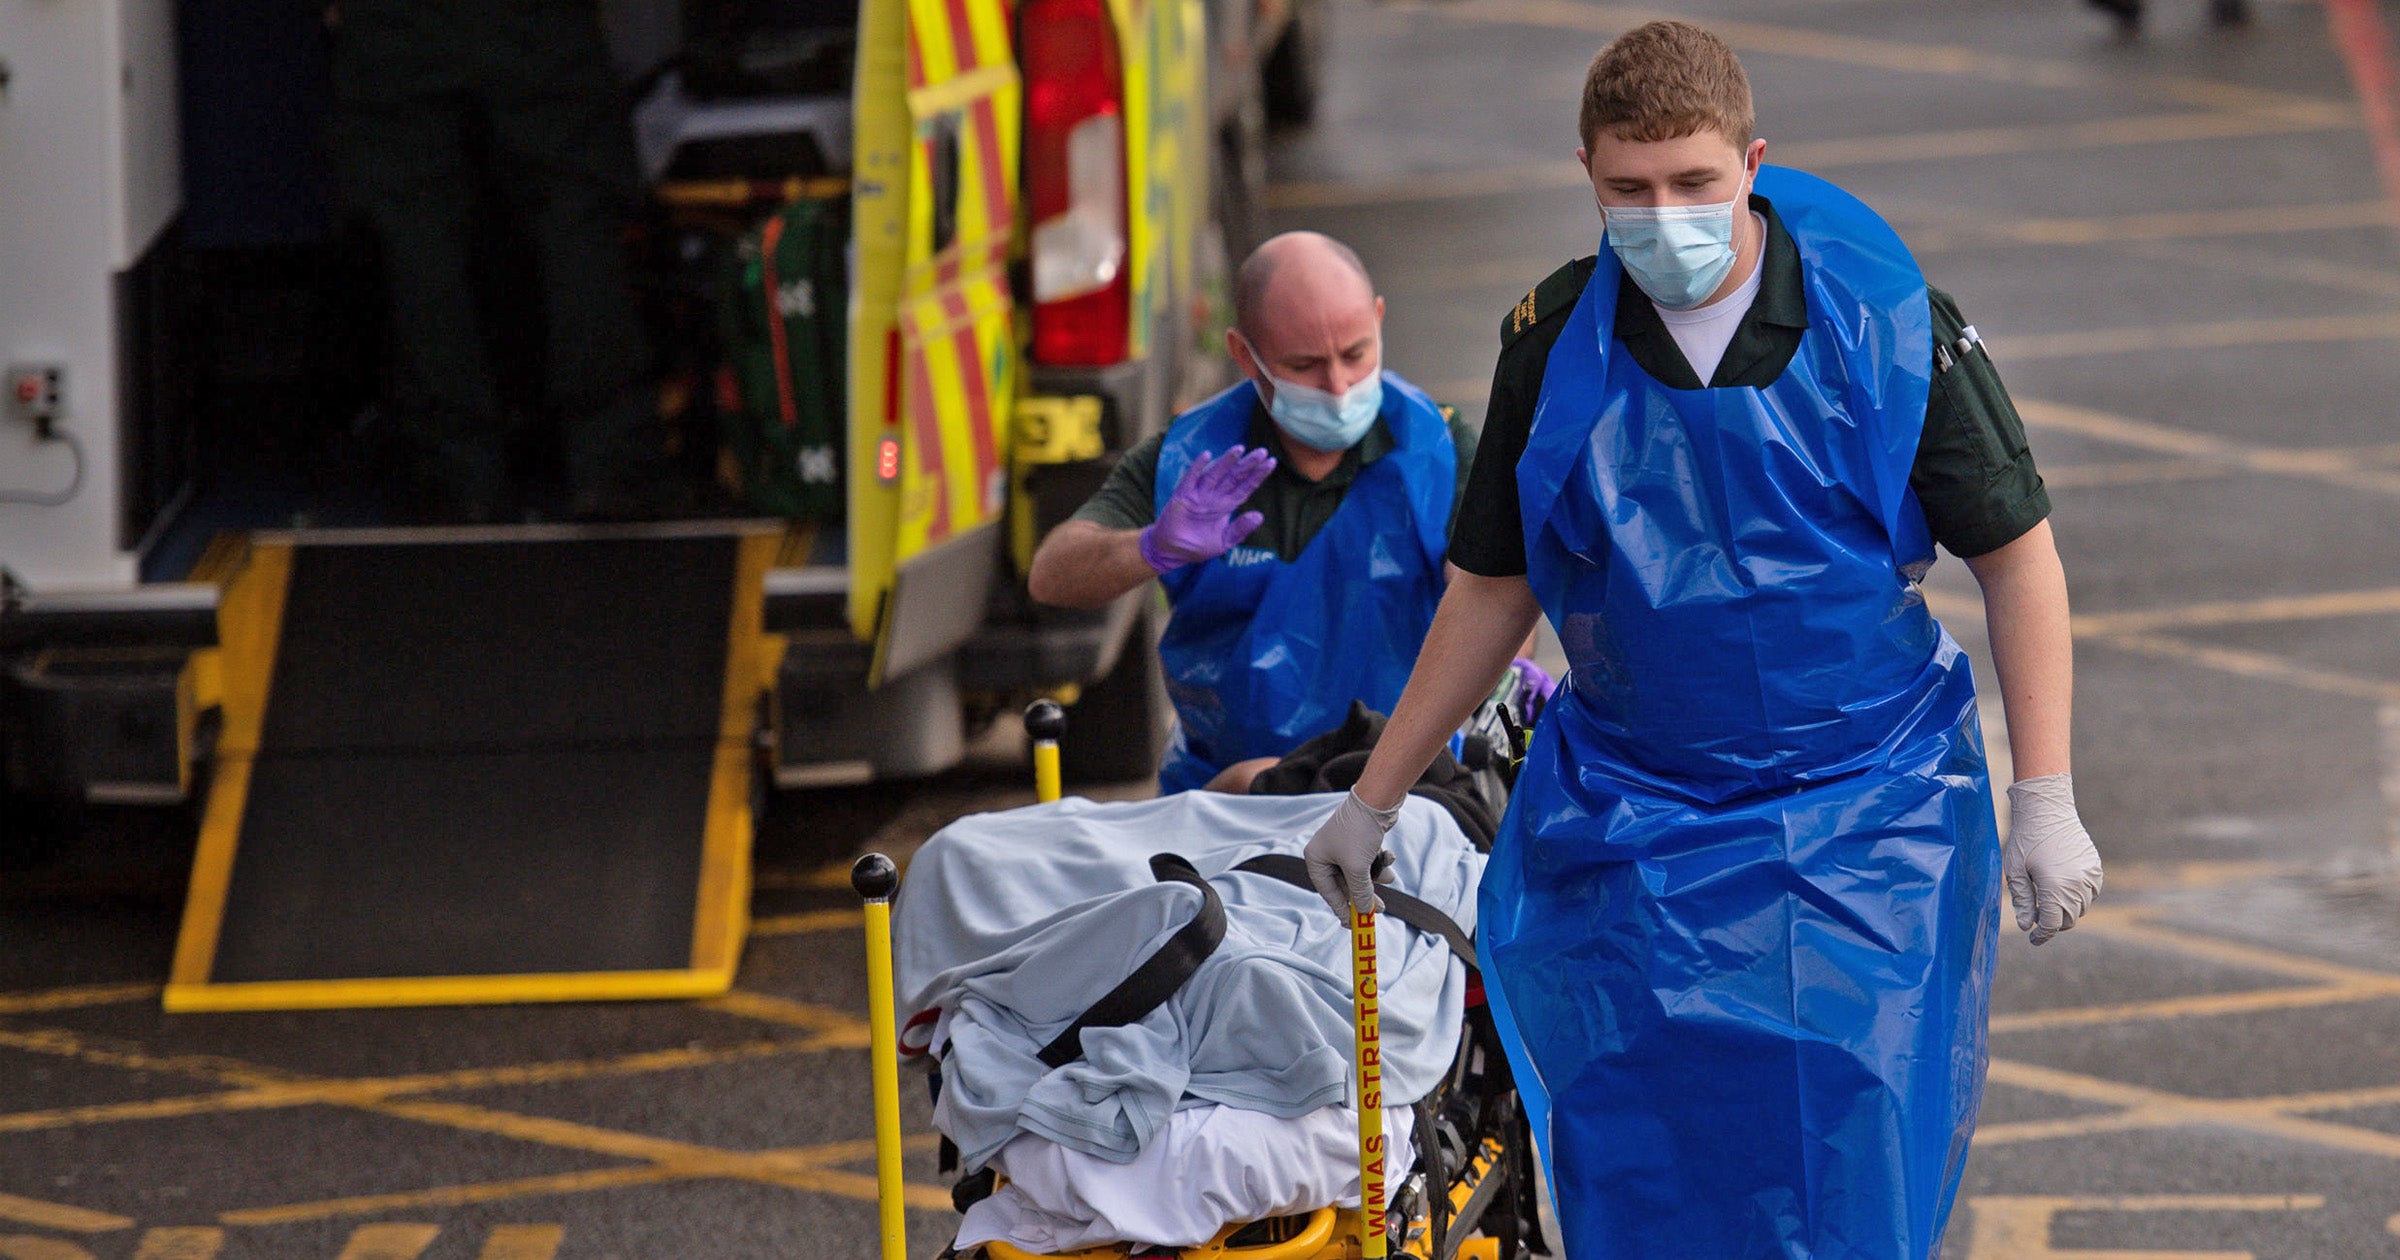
(1039,200)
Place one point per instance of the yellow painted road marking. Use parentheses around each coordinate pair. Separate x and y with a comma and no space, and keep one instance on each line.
(2017,1226)
(809,1169)
(2380,602)
(59,1216)
(2137,876)
(2135,926)
(808,921)
(523,1242)
(181,1243)
(2340,1099)
(2262,666)
(390,1242)
(1980,142)
(1961,232)
(75,997)
(1825,155)
(779,1166)
(2340,466)
(2196,1005)
(28,1247)
(1955,60)
(372,1089)
(2141,1107)
(767,1008)
(2139,472)
(2212,335)
(2282,267)
(2167,225)
(455,1196)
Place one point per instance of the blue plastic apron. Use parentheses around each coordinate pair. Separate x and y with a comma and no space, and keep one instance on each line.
(1742,912)
(1260,655)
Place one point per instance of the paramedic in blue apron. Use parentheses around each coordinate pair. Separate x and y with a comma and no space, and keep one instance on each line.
(1298,521)
(1740,920)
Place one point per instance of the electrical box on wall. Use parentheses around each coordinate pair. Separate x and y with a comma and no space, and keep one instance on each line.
(37,393)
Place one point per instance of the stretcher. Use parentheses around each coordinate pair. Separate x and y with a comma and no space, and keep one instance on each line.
(1467,1189)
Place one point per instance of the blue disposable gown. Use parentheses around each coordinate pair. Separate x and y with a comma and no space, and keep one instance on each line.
(1741,915)
(1262,654)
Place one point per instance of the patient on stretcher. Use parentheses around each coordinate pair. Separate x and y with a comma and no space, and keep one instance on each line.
(1024,941)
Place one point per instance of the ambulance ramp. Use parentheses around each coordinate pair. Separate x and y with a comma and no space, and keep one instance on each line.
(480,766)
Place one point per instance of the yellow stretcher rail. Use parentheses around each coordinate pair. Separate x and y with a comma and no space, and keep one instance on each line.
(1046,723)
(875,879)
(1365,1012)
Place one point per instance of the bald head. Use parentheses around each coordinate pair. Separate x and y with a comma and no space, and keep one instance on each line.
(1295,267)
(1304,310)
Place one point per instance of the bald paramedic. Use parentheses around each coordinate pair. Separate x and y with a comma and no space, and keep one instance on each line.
(1297,520)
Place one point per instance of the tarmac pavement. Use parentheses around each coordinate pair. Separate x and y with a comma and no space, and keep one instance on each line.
(2185,263)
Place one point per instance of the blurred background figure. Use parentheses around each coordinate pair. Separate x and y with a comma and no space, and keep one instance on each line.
(435,101)
(2128,13)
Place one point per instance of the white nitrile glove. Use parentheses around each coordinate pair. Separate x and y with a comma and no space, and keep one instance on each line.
(1341,856)
(2053,870)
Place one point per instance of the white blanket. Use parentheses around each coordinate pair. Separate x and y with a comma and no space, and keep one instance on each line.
(1210,1167)
(1010,924)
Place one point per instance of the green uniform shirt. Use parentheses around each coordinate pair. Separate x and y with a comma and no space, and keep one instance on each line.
(1973,474)
(1295,507)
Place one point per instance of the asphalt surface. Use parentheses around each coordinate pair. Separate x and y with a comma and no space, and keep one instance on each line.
(2181,256)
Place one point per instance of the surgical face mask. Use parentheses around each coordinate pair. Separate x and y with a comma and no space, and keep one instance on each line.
(1315,418)
(1677,254)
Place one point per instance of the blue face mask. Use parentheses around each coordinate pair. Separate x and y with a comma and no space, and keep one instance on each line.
(1677,254)
(1314,418)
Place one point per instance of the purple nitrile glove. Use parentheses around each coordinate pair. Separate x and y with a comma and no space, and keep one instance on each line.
(1198,523)
(1535,686)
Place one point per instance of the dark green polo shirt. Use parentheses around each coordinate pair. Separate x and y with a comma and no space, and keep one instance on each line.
(1295,507)
(1973,473)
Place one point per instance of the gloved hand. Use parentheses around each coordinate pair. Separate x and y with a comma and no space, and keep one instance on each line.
(1198,523)
(1341,856)
(2053,870)
(1535,687)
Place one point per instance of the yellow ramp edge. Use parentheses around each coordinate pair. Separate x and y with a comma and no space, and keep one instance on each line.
(249,626)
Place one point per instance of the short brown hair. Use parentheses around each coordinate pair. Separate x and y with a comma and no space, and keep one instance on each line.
(1664,81)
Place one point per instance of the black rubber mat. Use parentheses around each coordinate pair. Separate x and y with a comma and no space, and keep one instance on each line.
(445,864)
(506,644)
(483,758)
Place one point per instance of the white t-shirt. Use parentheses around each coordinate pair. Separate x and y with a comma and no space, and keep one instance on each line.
(1704,331)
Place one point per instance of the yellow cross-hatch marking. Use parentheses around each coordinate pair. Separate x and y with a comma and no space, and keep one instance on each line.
(1953,60)
(1954,232)
(1848,152)
(2017,1226)
(59,1216)
(523,1242)
(812,1169)
(2210,335)
(390,1242)
(75,997)
(283,1095)
(201,1242)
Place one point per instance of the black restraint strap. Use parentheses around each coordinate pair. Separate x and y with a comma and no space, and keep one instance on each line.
(1159,975)
(1416,913)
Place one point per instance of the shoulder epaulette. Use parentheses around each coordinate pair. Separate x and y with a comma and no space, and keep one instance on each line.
(1553,297)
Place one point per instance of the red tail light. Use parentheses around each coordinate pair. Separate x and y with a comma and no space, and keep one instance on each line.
(1075,182)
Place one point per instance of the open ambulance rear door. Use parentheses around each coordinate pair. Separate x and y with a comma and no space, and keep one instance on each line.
(933,346)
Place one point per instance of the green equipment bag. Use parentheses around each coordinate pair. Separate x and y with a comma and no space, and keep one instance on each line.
(784,308)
